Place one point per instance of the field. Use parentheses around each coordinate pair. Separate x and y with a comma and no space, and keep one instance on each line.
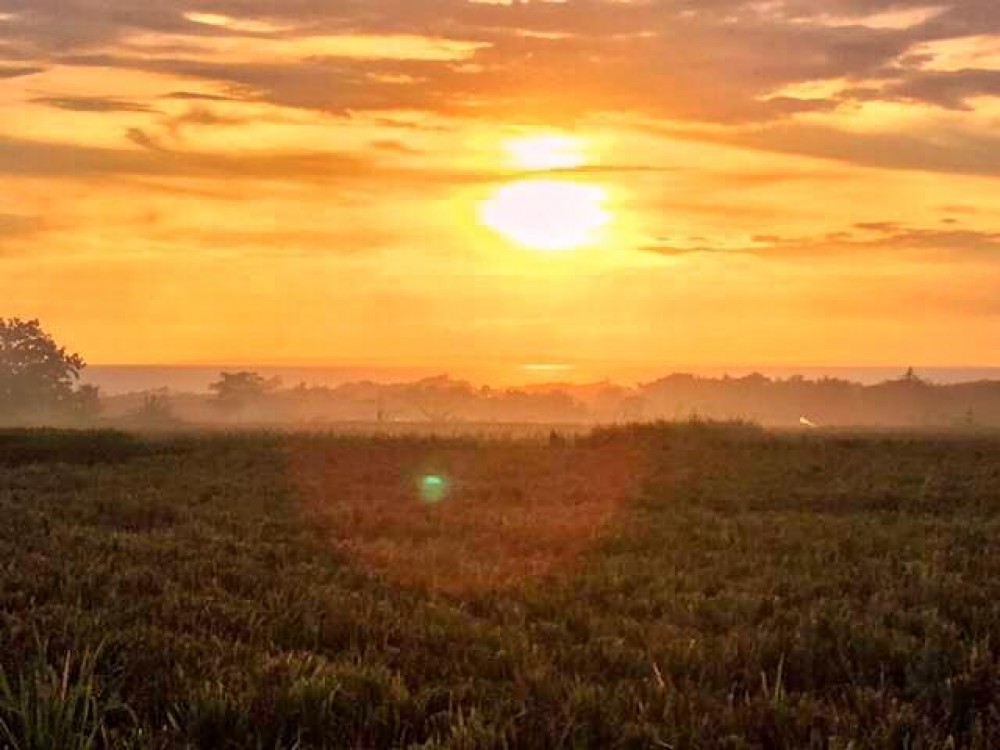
(690,586)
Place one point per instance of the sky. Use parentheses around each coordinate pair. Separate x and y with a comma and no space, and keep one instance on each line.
(577,186)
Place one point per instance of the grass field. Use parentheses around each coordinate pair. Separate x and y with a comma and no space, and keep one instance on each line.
(692,586)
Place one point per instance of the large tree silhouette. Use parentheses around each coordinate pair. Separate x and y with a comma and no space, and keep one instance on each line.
(37,376)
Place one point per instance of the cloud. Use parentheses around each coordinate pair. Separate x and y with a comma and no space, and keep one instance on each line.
(285,243)
(15,224)
(952,90)
(18,226)
(19,71)
(92,104)
(729,65)
(199,96)
(679,59)
(866,237)
(20,157)
(172,127)
(963,152)
(395,147)
(202,116)
(24,158)
(141,138)
(249,26)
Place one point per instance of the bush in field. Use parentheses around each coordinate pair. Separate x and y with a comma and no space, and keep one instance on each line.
(38,377)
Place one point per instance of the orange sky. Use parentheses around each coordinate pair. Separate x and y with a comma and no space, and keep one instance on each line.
(439,182)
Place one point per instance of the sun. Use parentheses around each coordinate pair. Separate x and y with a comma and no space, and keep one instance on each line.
(547,215)
(551,211)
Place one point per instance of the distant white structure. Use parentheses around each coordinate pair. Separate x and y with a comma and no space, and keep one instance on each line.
(808,423)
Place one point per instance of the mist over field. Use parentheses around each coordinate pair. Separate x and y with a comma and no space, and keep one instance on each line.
(398,398)
(248,397)
(117,380)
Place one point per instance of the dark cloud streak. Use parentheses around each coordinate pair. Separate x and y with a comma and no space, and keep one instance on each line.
(92,104)
(874,237)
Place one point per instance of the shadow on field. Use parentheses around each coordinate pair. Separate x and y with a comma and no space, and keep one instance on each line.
(463,517)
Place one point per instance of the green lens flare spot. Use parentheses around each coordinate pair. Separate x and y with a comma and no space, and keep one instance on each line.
(433,489)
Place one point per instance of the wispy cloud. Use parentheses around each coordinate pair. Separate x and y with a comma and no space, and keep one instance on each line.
(92,104)
(860,239)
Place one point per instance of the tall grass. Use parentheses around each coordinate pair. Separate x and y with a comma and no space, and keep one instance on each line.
(685,586)
(60,706)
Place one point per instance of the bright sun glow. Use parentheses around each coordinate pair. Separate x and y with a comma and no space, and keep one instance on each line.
(541,152)
(548,215)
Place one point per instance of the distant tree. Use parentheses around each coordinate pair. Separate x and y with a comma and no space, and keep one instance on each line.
(86,402)
(156,409)
(237,390)
(38,378)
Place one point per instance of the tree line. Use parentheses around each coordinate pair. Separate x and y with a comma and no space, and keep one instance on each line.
(40,384)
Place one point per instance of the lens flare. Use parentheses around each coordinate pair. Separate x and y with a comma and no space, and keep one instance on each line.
(433,489)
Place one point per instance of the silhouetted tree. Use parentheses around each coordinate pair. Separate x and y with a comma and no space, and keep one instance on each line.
(237,390)
(38,377)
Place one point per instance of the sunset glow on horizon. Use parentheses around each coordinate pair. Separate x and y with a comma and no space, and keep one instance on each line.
(435,183)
